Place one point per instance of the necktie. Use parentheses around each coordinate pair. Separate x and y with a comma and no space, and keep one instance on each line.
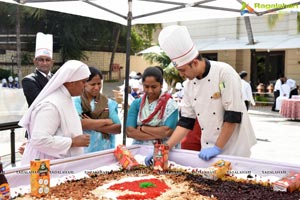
(48,77)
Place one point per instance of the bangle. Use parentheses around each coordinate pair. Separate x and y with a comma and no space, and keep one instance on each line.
(141,128)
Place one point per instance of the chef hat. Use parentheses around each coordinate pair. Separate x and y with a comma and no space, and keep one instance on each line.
(10,79)
(132,74)
(43,45)
(176,42)
(291,83)
(135,84)
(243,74)
(178,86)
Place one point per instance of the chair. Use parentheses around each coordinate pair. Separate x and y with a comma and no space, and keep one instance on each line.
(284,94)
(119,99)
(116,93)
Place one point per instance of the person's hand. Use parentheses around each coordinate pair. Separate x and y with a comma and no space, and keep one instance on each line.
(22,148)
(81,141)
(108,122)
(149,160)
(208,153)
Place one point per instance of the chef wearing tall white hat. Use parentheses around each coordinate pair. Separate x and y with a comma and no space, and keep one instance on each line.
(179,92)
(33,83)
(212,95)
(36,81)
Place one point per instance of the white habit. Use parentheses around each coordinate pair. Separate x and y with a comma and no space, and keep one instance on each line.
(51,138)
(52,121)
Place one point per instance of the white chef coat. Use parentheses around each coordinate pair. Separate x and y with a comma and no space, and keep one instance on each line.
(284,94)
(291,83)
(208,99)
(278,84)
(247,92)
(54,121)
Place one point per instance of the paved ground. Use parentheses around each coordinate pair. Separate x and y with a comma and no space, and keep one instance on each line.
(109,86)
(278,138)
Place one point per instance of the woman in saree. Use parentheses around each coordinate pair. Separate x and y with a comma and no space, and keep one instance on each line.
(154,116)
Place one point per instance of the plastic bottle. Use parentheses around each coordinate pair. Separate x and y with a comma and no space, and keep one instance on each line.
(4,187)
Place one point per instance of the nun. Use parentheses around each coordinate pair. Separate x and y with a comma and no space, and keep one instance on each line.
(53,126)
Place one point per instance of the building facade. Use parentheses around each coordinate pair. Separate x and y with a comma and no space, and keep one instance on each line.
(276,48)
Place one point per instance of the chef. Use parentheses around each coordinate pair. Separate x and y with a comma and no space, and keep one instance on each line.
(213,97)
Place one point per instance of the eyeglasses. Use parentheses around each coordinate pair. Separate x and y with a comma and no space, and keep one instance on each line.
(43,59)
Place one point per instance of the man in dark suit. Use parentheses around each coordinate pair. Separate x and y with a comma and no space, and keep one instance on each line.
(34,83)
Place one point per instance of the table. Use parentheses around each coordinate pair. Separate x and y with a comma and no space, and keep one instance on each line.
(290,108)
(91,161)
(295,96)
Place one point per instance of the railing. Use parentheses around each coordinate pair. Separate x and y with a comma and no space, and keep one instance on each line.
(11,126)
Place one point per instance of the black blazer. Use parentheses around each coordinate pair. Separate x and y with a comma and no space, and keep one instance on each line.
(33,85)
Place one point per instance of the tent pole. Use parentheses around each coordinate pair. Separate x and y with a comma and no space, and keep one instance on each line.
(127,68)
(249,30)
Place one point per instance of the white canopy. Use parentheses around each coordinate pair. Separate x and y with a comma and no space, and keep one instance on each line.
(153,49)
(159,11)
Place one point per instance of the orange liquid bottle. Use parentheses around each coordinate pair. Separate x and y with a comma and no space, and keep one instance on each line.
(40,177)
(4,187)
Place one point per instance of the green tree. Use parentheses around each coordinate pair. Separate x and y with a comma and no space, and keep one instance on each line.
(12,15)
(298,22)
(141,37)
(75,34)
(274,18)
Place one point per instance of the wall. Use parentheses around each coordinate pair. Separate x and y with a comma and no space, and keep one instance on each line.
(243,61)
(234,28)
(292,64)
(100,60)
